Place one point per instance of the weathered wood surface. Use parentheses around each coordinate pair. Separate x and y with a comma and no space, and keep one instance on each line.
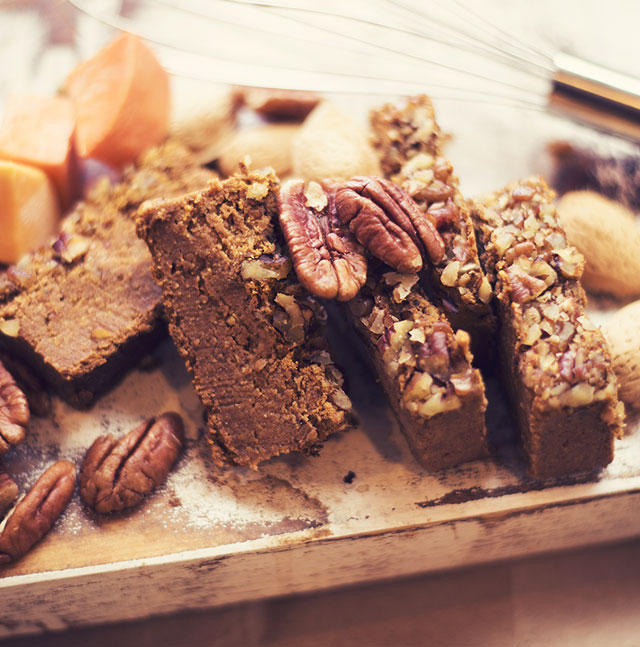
(360,511)
(304,561)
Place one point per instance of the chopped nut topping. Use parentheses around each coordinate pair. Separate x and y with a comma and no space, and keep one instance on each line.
(71,247)
(257,191)
(10,327)
(265,268)
(403,283)
(409,142)
(292,326)
(536,272)
(315,196)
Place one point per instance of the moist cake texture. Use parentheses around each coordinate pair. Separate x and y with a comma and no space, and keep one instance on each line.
(409,143)
(251,335)
(424,367)
(83,310)
(556,363)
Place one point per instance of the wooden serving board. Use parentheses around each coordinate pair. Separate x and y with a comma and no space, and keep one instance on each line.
(362,510)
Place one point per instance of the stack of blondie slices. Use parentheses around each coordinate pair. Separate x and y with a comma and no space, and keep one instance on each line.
(245,264)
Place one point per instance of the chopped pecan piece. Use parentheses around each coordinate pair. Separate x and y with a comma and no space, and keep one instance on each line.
(435,191)
(525,287)
(328,260)
(433,355)
(38,511)
(70,247)
(575,369)
(8,492)
(118,474)
(523,193)
(444,215)
(387,221)
(14,412)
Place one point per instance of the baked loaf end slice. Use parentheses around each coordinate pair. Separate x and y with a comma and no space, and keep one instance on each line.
(409,144)
(251,336)
(82,311)
(424,367)
(555,362)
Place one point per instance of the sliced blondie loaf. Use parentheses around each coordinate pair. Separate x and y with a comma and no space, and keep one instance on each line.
(408,141)
(83,310)
(250,334)
(555,362)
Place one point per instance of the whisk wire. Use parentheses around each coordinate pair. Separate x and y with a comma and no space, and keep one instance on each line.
(343,41)
(387,48)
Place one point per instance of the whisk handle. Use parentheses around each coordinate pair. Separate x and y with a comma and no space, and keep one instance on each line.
(596,94)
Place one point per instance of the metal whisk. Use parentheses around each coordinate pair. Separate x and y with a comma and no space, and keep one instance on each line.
(383,47)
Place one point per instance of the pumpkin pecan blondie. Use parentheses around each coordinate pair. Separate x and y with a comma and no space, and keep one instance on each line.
(555,362)
(409,143)
(251,335)
(423,366)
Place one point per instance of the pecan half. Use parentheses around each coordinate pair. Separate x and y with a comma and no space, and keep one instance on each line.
(38,511)
(118,474)
(30,384)
(327,259)
(8,492)
(14,412)
(387,221)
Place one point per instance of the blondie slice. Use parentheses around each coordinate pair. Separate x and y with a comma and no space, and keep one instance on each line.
(251,335)
(424,367)
(555,362)
(83,310)
(408,141)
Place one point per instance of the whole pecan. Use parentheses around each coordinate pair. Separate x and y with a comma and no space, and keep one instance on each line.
(327,259)
(118,474)
(8,492)
(38,511)
(14,412)
(387,221)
